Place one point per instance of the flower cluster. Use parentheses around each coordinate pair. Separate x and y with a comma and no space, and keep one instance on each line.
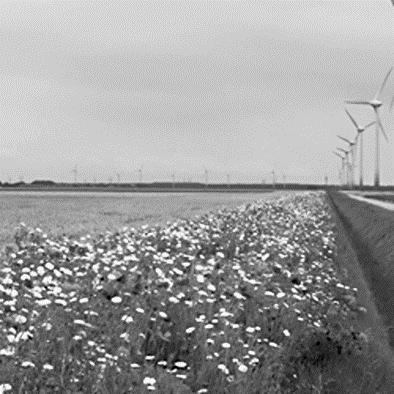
(200,304)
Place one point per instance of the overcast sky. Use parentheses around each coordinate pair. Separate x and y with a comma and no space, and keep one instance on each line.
(235,87)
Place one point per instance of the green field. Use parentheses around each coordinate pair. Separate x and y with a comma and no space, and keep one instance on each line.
(80,213)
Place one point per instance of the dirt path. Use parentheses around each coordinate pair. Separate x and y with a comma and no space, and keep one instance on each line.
(379,203)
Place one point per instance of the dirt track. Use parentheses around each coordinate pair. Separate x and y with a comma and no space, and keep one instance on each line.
(365,241)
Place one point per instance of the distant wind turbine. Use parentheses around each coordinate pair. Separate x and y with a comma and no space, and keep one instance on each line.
(346,153)
(206,176)
(376,103)
(273,179)
(75,172)
(352,149)
(343,166)
(173,179)
(140,174)
(359,139)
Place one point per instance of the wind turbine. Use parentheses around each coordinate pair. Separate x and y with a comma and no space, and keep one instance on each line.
(376,103)
(140,174)
(206,177)
(352,148)
(359,138)
(75,172)
(273,179)
(346,153)
(173,179)
(343,166)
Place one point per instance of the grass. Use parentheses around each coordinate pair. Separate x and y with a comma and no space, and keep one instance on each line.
(245,300)
(352,259)
(372,228)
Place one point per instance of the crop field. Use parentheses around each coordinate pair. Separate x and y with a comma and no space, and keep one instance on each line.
(243,300)
(80,213)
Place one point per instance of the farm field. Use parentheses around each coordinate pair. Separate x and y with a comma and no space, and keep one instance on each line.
(79,213)
(243,300)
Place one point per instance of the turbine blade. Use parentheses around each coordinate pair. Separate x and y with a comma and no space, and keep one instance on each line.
(381,127)
(383,84)
(357,102)
(351,118)
(369,125)
(344,139)
(339,155)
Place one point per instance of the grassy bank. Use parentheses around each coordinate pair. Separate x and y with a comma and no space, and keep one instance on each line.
(378,355)
(246,300)
(382,197)
(372,232)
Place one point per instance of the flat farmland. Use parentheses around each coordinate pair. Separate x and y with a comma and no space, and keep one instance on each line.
(81,213)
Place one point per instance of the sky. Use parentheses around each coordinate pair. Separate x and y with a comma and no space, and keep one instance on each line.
(233,87)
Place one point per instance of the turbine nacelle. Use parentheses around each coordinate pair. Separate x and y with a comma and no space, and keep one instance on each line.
(359,128)
(376,103)
(346,152)
(351,143)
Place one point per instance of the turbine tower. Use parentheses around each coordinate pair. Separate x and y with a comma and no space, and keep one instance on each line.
(342,170)
(206,177)
(75,172)
(273,179)
(352,148)
(347,166)
(359,138)
(173,180)
(376,103)
(140,174)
